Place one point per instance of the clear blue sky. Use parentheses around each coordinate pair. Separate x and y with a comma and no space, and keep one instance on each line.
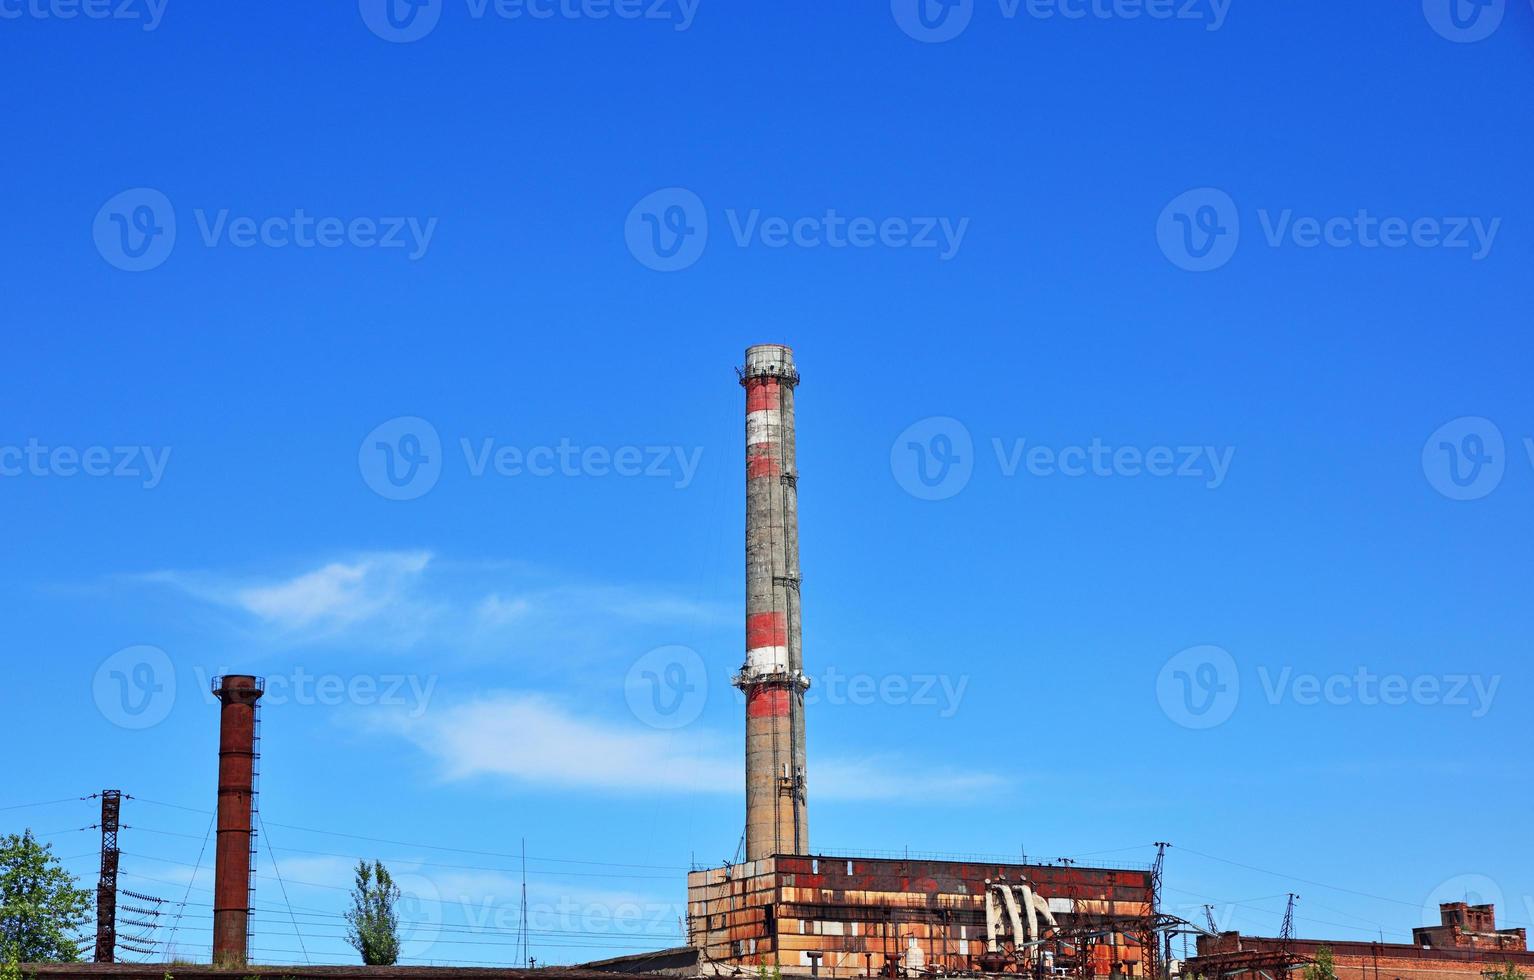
(1075,298)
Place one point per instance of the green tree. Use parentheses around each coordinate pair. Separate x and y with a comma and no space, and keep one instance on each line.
(374,929)
(40,904)
(1507,972)
(1324,967)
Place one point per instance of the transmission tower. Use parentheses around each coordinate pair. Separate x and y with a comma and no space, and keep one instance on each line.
(1286,935)
(1150,943)
(106,885)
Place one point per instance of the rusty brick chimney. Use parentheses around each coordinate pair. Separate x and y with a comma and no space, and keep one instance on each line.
(234,857)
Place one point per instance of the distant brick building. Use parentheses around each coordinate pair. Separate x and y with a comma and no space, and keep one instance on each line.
(1470,927)
(1465,947)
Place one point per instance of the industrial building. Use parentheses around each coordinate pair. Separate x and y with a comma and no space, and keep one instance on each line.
(858,916)
(790,908)
(781,905)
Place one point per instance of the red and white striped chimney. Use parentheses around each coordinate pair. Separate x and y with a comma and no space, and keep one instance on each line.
(773,675)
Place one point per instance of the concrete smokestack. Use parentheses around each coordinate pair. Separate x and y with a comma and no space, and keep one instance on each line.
(238,694)
(773,675)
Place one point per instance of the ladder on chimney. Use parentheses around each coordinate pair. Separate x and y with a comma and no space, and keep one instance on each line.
(255,823)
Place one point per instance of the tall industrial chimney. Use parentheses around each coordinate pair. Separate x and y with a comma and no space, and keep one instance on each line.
(238,694)
(773,675)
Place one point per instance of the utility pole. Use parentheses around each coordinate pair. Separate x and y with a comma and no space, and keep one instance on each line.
(106,885)
(522,937)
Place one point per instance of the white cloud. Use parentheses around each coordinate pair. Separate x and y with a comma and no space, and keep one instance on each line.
(403,599)
(894,778)
(339,594)
(532,739)
(497,610)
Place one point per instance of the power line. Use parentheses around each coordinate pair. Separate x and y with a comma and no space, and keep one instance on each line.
(281,884)
(439,847)
(182,910)
(1307,881)
(26,806)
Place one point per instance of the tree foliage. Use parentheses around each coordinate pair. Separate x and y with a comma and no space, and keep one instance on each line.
(1324,967)
(41,904)
(1506,972)
(374,924)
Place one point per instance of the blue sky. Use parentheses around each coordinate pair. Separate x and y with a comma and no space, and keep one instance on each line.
(1164,444)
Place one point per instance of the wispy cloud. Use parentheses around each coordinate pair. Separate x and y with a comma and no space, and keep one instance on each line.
(493,614)
(556,746)
(405,599)
(335,596)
